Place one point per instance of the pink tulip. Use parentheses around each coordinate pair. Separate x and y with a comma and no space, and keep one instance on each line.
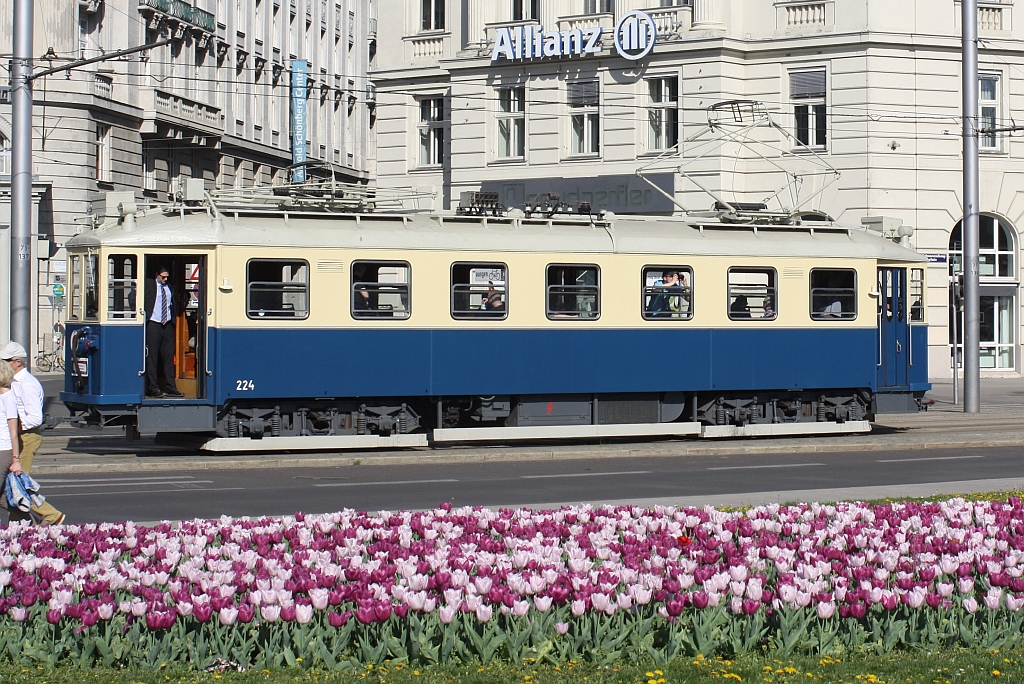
(562,628)
(970,604)
(826,610)
(228,616)
(542,603)
(578,608)
(447,614)
(270,613)
(484,613)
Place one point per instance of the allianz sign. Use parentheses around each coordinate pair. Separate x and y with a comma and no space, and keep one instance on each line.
(635,35)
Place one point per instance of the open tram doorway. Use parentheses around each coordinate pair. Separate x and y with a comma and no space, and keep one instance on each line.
(187,281)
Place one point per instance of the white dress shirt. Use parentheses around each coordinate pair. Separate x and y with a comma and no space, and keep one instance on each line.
(30,399)
(163,291)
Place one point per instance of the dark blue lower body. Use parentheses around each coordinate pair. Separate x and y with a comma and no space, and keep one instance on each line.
(307,363)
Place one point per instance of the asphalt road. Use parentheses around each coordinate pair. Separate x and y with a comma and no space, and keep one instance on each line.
(150,496)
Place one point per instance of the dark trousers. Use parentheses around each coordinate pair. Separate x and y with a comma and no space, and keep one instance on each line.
(159,354)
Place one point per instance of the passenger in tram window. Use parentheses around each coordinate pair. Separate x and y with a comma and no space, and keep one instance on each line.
(739,307)
(917,311)
(666,304)
(769,310)
(494,302)
(365,297)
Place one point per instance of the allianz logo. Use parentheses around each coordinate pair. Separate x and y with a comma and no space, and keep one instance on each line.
(634,35)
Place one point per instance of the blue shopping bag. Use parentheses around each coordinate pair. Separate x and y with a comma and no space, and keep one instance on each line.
(23,492)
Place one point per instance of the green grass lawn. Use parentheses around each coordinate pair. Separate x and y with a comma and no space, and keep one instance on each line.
(942,667)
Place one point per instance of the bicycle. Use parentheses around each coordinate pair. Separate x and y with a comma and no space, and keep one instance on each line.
(54,359)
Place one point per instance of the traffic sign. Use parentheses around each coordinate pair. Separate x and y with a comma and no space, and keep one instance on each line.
(58,290)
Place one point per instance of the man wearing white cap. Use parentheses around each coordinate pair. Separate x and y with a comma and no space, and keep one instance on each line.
(29,394)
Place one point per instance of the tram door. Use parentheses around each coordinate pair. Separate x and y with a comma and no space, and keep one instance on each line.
(893,328)
(187,280)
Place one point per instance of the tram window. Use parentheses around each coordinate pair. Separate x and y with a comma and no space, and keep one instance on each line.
(752,294)
(75,288)
(833,294)
(917,295)
(380,289)
(121,286)
(92,306)
(573,292)
(479,291)
(277,288)
(668,293)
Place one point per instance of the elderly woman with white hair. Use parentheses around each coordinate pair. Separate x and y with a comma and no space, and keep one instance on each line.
(9,461)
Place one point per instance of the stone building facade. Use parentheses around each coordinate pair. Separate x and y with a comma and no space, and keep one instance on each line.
(872,88)
(214,104)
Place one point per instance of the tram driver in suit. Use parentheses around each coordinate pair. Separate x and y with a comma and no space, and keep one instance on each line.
(160,335)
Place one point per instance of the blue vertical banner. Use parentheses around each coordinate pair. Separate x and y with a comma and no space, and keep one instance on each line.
(299,91)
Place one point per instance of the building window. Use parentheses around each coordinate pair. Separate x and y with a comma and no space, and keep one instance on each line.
(525,9)
(103,153)
(807,91)
(5,156)
(277,288)
(479,291)
(511,122)
(380,290)
(573,292)
(752,294)
(595,6)
(663,112)
(432,131)
(988,112)
(668,293)
(996,249)
(585,117)
(432,14)
(833,294)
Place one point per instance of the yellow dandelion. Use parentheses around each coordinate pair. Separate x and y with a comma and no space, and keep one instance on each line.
(996,673)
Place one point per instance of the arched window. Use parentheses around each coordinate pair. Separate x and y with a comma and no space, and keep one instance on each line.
(998,293)
(996,246)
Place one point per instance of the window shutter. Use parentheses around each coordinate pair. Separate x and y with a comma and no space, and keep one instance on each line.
(807,84)
(583,94)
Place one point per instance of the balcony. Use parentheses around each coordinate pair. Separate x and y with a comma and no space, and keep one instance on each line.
(672,22)
(371,30)
(584,21)
(103,86)
(181,113)
(182,11)
(794,18)
(429,47)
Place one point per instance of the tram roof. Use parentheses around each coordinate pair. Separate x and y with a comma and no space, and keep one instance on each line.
(431,231)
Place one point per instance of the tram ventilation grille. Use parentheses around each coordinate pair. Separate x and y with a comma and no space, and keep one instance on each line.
(792,273)
(330,266)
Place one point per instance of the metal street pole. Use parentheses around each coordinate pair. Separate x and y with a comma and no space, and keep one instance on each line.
(21,177)
(972,303)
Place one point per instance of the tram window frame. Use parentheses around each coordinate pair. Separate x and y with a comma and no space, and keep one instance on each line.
(122,292)
(485,291)
(917,291)
(374,287)
(75,286)
(584,290)
(843,314)
(293,314)
(650,293)
(770,291)
(91,287)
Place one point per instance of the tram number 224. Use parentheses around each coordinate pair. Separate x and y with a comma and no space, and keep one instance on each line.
(244,386)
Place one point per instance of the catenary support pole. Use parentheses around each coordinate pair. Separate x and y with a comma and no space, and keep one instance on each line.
(972,302)
(21,176)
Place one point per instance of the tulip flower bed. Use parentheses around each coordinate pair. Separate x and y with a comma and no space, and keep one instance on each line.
(586,584)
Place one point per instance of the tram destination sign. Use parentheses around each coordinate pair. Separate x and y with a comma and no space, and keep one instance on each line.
(634,36)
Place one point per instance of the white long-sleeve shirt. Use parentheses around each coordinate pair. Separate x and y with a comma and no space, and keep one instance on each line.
(30,399)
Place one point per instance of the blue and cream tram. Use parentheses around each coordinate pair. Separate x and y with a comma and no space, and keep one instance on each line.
(303,328)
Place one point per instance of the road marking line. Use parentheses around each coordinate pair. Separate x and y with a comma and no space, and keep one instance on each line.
(117,479)
(153,491)
(927,458)
(774,465)
(366,484)
(623,472)
(128,482)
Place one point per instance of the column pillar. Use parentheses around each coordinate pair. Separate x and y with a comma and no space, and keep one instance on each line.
(476,16)
(707,16)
